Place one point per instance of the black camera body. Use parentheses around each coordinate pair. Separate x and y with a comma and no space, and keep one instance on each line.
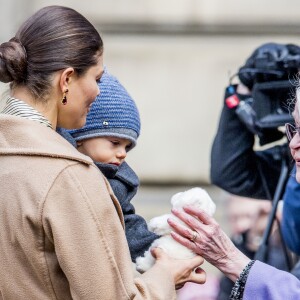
(272,103)
(270,74)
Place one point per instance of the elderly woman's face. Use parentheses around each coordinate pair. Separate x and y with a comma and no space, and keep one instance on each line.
(295,142)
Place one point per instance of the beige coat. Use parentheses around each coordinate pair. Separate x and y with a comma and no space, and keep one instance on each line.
(62,233)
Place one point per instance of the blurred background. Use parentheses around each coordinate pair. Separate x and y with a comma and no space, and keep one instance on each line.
(175,59)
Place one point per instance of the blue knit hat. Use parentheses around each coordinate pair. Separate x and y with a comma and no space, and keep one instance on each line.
(113,113)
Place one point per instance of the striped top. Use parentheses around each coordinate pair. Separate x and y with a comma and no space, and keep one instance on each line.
(19,108)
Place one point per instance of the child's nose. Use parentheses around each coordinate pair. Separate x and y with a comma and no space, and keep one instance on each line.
(121,154)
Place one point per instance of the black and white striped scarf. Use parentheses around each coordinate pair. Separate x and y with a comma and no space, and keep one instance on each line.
(16,107)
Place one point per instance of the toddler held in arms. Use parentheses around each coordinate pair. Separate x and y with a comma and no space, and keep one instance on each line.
(111,131)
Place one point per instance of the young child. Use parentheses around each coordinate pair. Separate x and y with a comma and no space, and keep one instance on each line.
(111,130)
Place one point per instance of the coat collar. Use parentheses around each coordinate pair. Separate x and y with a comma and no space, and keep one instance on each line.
(109,171)
(123,173)
(19,136)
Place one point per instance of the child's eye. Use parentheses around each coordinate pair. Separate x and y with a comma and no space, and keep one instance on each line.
(115,143)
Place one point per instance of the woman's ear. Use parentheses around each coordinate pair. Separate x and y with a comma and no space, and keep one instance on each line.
(66,78)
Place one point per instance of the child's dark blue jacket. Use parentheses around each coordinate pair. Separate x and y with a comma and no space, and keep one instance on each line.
(125,183)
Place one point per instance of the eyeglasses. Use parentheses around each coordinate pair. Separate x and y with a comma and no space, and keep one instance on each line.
(291,130)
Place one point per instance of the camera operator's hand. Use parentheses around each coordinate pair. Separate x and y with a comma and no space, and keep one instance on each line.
(242,89)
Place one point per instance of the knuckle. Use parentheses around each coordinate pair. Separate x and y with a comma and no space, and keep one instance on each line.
(209,232)
(213,230)
(189,220)
(186,232)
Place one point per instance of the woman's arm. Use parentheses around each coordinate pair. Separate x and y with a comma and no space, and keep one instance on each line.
(268,283)
(87,245)
(263,282)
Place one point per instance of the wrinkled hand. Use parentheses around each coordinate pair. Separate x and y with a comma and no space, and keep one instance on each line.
(206,238)
(182,270)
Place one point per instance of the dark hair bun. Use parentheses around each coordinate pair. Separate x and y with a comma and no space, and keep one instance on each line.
(13,61)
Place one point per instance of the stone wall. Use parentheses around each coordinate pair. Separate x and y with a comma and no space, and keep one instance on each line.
(175,59)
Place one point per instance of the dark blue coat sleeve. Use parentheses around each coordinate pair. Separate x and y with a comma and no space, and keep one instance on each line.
(138,236)
(291,214)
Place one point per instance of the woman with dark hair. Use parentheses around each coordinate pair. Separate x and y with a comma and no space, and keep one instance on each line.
(62,229)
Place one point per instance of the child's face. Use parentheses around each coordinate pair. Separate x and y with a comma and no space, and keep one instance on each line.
(109,150)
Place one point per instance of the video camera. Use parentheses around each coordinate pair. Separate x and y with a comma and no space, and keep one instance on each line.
(270,74)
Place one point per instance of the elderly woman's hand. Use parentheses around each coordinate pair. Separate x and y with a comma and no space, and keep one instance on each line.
(206,238)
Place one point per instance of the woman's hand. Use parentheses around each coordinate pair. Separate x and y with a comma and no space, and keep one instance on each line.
(182,270)
(206,238)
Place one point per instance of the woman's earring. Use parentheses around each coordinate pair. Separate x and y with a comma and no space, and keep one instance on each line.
(64,100)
